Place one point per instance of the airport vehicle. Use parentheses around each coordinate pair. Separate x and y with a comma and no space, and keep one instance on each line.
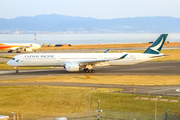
(18,47)
(73,62)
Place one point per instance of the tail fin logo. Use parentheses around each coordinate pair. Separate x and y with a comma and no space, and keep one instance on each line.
(155,48)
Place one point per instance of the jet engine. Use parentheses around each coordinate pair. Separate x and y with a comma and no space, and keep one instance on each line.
(28,49)
(71,67)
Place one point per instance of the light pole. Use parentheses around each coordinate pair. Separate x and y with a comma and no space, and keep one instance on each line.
(156,105)
(98,116)
(13,115)
(89,103)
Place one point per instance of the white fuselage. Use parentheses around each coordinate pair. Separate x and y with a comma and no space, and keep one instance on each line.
(75,61)
(60,59)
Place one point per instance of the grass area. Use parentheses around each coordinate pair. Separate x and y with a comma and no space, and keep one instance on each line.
(174,55)
(8,56)
(43,101)
(107,46)
(125,79)
(4,66)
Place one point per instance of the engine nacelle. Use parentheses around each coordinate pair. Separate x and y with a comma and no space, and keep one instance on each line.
(71,67)
(28,49)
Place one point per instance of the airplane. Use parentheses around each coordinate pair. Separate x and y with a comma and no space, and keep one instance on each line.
(73,62)
(18,47)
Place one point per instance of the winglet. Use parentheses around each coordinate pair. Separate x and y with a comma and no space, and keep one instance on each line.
(106,51)
(122,57)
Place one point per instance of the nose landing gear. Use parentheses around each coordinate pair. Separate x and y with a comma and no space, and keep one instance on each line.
(17,71)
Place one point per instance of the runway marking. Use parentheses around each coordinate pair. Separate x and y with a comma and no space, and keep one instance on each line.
(163,90)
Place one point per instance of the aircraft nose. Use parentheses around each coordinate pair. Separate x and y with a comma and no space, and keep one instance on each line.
(9,62)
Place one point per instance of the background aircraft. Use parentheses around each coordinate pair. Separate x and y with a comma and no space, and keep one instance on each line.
(18,47)
(75,61)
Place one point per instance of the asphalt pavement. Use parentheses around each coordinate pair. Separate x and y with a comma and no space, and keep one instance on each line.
(147,68)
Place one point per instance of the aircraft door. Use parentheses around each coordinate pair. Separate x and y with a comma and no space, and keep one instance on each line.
(137,57)
(133,57)
(22,59)
(100,57)
(58,58)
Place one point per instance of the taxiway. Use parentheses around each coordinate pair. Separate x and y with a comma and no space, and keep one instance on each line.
(147,68)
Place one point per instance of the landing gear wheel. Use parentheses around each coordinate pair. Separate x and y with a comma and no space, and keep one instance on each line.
(86,70)
(89,71)
(93,71)
(17,70)
(9,51)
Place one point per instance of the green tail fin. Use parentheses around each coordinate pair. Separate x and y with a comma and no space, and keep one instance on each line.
(156,47)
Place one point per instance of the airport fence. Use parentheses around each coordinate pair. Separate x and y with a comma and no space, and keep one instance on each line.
(104,115)
(114,115)
(11,116)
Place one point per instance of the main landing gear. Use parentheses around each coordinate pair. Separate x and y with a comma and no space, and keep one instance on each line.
(89,69)
(86,70)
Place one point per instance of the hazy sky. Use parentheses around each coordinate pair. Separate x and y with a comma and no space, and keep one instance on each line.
(101,9)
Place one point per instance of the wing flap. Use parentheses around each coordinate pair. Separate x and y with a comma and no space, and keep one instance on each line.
(99,62)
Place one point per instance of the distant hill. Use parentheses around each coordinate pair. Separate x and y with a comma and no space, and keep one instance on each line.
(56,23)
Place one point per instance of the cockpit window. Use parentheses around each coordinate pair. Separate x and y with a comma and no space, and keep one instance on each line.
(13,59)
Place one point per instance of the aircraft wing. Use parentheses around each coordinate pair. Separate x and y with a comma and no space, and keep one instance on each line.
(99,62)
